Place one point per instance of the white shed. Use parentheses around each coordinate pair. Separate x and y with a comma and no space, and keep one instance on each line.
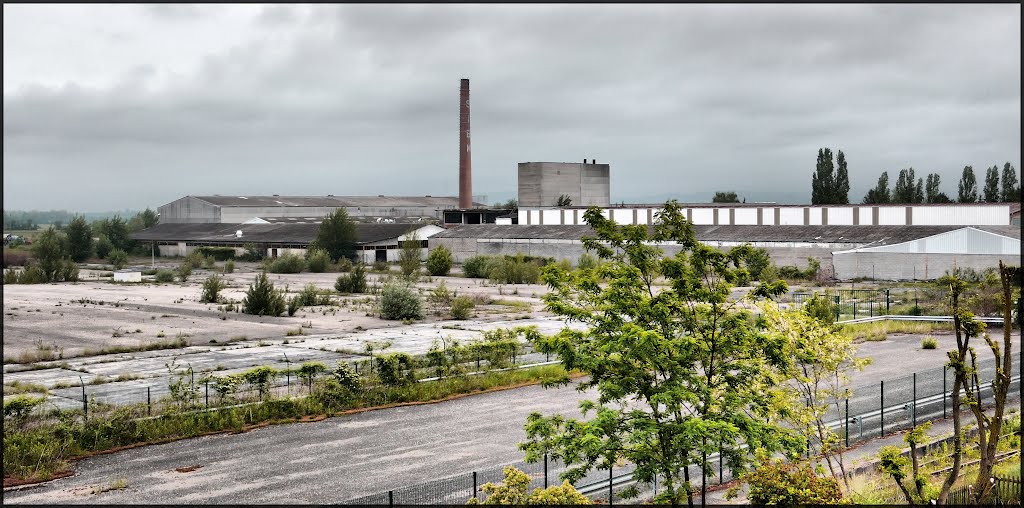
(929,257)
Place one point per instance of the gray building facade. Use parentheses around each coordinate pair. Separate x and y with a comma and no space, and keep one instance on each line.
(238,209)
(586,184)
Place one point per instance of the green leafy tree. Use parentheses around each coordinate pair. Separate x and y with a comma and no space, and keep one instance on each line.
(1011,191)
(841,189)
(116,230)
(439,261)
(399,301)
(80,242)
(50,251)
(880,194)
(262,299)
(967,190)
(932,192)
(823,179)
(143,220)
(725,197)
(819,360)
(409,259)
(337,235)
(701,372)
(894,464)
(103,247)
(906,191)
(991,190)
(563,200)
(317,259)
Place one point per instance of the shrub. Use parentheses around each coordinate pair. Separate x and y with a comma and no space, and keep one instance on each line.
(380,266)
(514,487)
(345,376)
(821,307)
(252,253)
(15,258)
(461,307)
(294,304)
(310,296)
(185,270)
(118,258)
(929,343)
(287,263)
(211,289)
(318,260)
(103,247)
(439,261)
(69,271)
(514,270)
(778,483)
(352,282)
(475,267)
(409,259)
(208,262)
(217,253)
(262,299)
(344,264)
(586,262)
(400,302)
(164,276)
(229,266)
(440,299)
(395,369)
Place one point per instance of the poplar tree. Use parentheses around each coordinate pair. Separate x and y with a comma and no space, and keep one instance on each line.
(841,191)
(967,191)
(1011,192)
(880,194)
(991,190)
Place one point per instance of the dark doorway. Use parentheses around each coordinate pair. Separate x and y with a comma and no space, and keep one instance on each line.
(382,255)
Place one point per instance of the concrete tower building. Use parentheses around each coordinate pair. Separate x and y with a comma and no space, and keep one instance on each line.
(586,184)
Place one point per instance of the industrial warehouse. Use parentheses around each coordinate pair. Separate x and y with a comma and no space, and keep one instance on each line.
(893,241)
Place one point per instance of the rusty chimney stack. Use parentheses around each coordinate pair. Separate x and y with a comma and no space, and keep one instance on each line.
(465,158)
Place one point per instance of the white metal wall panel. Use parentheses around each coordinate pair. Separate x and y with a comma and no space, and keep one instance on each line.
(814,216)
(522,215)
(622,215)
(723,216)
(745,216)
(892,216)
(641,215)
(964,215)
(552,216)
(702,216)
(838,216)
(790,216)
(864,216)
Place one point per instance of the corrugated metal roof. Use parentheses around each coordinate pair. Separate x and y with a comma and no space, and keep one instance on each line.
(331,201)
(966,240)
(262,233)
(879,235)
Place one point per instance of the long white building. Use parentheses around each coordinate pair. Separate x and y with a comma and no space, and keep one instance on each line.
(975,214)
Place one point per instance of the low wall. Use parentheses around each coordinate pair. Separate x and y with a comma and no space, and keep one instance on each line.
(910,266)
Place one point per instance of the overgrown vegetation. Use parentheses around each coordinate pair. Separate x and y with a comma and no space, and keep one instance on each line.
(317,259)
(211,289)
(262,299)
(400,301)
(439,261)
(285,263)
(513,490)
(352,282)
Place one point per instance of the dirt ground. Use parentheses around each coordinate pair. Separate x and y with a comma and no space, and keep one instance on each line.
(96,313)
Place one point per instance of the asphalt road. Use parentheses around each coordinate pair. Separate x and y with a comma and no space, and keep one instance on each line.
(369,453)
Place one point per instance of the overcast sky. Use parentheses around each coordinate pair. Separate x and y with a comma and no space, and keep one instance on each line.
(127,106)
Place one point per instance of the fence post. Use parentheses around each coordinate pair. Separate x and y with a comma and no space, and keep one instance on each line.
(847,422)
(886,300)
(207,394)
(474,483)
(943,392)
(871,309)
(545,470)
(610,493)
(881,412)
(391,498)
(721,446)
(85,400)
(854,308)
(913,410)
(149,403)
(837,307)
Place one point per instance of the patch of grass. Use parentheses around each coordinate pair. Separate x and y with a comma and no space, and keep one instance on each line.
(292,333)
(878,330)
(39,451)
(17,387)
(107,487)
(127,376)
(178,342)
(516,305)
(929,343)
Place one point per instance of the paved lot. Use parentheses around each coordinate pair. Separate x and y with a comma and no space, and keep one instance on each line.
(347,457)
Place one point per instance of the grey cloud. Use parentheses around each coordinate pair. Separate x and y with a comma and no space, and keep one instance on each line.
(691,98)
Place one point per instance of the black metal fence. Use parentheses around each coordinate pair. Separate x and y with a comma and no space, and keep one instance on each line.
(873,410)
(1005,491)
